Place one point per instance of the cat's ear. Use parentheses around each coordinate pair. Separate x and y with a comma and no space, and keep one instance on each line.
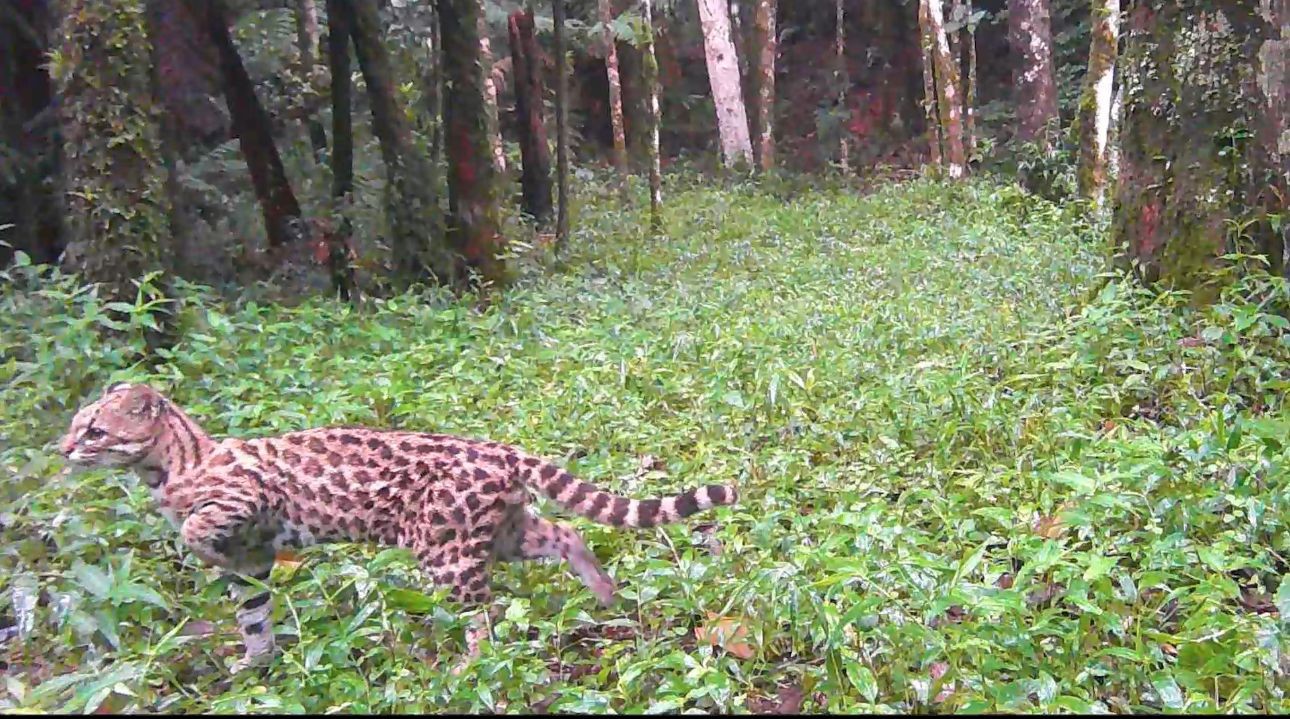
(142,401)
(116,386)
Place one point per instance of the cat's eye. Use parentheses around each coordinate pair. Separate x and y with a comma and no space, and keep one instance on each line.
(93,433)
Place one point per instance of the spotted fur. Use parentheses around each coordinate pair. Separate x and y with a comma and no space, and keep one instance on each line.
(459,504)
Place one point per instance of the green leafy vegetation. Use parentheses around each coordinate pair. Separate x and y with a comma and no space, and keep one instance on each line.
(976,474)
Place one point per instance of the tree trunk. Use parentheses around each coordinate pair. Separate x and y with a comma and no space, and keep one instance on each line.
(1095,103)
(843,80)
(117,211)
(254,131)
(615,95)
(723,77)
(432,96)
(1030,33)
(947,96)
(535,154)
(766,47)
(969,94)
(934,140)
(307,42)
(1194,183)
(649,64)
(561,127)
(472,191)
(490,94)
(413,213)
(29,195)
(342,153)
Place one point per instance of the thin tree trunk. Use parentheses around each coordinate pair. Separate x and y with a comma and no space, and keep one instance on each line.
(1030,33)
(723,78)
(1095,103)
(649,65)
(615,96)
(947,93)
(561,127)
(342,154)
(490,94)
(934,129)
(535,154)
(767,46)
(433,95)
(117,213)
(969,94)
(254,131)
(844,85)
(416,232)
(307,41)
(472,185)
(1113,133)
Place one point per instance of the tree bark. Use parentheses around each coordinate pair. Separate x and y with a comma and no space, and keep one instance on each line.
(766,47)
(254,131)
(342,153)
(117,212)
(723,78)
(615,95)
(649,65)
(844,85)
(1030,32)
(413,213)
(969,93)
(472,192)
(1095,103)
(561,127)
(29,197)
(535,154)
(490,94)
(934,140)
(1194,184)
(947,96)
(307,43)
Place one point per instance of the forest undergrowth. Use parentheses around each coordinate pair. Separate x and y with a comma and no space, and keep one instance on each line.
(976,473)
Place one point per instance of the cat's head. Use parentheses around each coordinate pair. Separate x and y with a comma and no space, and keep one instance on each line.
(119,429)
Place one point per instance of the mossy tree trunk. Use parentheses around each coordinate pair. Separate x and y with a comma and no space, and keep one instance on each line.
(254,132)
(115,179)
(535,154)
(946,83)
(649,65)
(1094,120)
(765,48)
(29,193)
(413,214)
(561,126)
(1030,32)
(1193,179)
(926,42)
(342,149)
(472,192)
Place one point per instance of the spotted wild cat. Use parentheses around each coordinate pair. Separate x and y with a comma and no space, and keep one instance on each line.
(459,504)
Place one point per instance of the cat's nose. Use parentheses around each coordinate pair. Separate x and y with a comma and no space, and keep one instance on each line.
(66,446)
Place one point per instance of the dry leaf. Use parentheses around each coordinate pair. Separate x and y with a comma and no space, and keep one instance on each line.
(286,558)
(727,633)
(1049,526)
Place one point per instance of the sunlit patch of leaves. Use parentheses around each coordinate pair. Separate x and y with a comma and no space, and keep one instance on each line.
(975,474)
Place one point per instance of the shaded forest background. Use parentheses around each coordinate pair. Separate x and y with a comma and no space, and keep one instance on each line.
(218,103)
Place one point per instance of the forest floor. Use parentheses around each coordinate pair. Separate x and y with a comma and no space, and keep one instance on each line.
(975,473)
